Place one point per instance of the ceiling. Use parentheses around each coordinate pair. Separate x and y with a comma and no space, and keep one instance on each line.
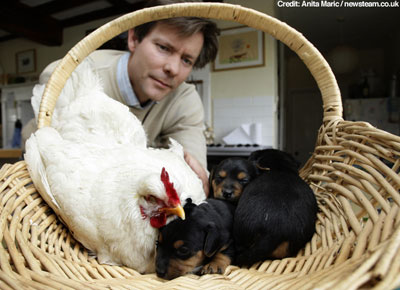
(43,21)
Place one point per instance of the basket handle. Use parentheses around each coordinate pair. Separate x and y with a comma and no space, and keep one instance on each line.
(312,58)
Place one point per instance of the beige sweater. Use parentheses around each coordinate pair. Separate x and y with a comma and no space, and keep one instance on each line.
(180,115)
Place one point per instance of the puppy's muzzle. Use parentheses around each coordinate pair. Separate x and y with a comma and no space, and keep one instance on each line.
(227,193)
(161,268)
(161,272)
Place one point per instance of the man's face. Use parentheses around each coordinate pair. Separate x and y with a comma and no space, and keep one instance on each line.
(161,61)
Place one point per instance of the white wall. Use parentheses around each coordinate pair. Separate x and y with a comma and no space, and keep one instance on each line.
(44,54)
(248,95)
(231,113)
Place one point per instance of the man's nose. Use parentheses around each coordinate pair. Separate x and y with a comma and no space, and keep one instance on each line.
(172,65)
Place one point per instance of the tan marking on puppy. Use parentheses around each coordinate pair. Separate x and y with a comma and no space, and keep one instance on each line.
(263,168)
(217,188)
(215,185)
(178,244)
(238,190)
(222,173)
(160,238)
(217,265)
(281,251)
(178,267)
(224,248)
(241,175)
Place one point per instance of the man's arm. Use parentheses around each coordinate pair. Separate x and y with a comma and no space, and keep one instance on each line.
(199,170)
(185,124)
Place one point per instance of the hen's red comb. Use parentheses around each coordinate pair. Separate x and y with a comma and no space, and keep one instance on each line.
(173,197)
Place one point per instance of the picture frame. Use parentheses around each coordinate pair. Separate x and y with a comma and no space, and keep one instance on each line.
(26,61)
(240,47)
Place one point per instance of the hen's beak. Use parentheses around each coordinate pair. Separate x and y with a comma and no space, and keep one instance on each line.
(178,210)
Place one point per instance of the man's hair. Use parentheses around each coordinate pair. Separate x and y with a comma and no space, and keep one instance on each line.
(187,26)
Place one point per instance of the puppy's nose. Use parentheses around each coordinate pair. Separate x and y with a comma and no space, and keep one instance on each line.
(227,193)
(161,272)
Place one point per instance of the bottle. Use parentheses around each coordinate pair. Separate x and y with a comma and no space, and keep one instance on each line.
(393,87)
(393,101)
(365,88)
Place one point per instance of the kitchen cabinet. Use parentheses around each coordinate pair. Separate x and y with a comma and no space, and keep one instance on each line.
(15,105)
(376,111)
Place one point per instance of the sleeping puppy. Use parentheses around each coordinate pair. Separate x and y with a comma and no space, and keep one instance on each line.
(230,177)
(201,244)
(283,210)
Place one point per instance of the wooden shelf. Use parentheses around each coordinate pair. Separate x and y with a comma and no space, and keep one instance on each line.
(10,153)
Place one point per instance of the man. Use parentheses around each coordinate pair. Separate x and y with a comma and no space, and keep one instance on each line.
(150,80)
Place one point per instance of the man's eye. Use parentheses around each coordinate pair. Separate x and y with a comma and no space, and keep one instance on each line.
(188,61)
(163,47)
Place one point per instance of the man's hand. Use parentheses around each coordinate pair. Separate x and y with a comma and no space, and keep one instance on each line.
(198,169)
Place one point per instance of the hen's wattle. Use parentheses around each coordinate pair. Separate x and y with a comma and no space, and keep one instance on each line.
(158,220)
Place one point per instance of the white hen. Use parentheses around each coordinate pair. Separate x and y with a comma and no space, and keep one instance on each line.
(93,168)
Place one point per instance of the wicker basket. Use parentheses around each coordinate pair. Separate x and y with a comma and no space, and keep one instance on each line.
(354,172)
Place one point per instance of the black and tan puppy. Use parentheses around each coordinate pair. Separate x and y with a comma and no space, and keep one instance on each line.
(229,178)
(276,214)
(200,244)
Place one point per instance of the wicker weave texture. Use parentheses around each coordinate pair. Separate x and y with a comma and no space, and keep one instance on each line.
(354,172)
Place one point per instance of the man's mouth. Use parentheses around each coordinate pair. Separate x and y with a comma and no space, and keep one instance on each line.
(162,83)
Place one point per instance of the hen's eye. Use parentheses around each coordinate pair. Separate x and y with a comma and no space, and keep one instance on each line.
(150,198)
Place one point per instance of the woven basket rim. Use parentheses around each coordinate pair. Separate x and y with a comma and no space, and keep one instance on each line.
(353,164)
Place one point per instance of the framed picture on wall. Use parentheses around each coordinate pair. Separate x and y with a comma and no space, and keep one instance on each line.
(240,47)
(26,61)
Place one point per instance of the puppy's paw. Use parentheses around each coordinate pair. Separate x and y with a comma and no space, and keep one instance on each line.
(217,265)
(213,268)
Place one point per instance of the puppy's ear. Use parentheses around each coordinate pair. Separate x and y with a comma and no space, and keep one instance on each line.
(210,179)
(212,241)
(189,205)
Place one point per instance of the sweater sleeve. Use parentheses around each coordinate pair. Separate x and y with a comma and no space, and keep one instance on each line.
(185,123)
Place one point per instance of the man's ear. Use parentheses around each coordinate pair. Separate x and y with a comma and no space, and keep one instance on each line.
(132,40)
(212,243)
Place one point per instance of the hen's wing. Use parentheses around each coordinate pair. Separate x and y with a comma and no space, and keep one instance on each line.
(64,174)
(97,191)
(84,113)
